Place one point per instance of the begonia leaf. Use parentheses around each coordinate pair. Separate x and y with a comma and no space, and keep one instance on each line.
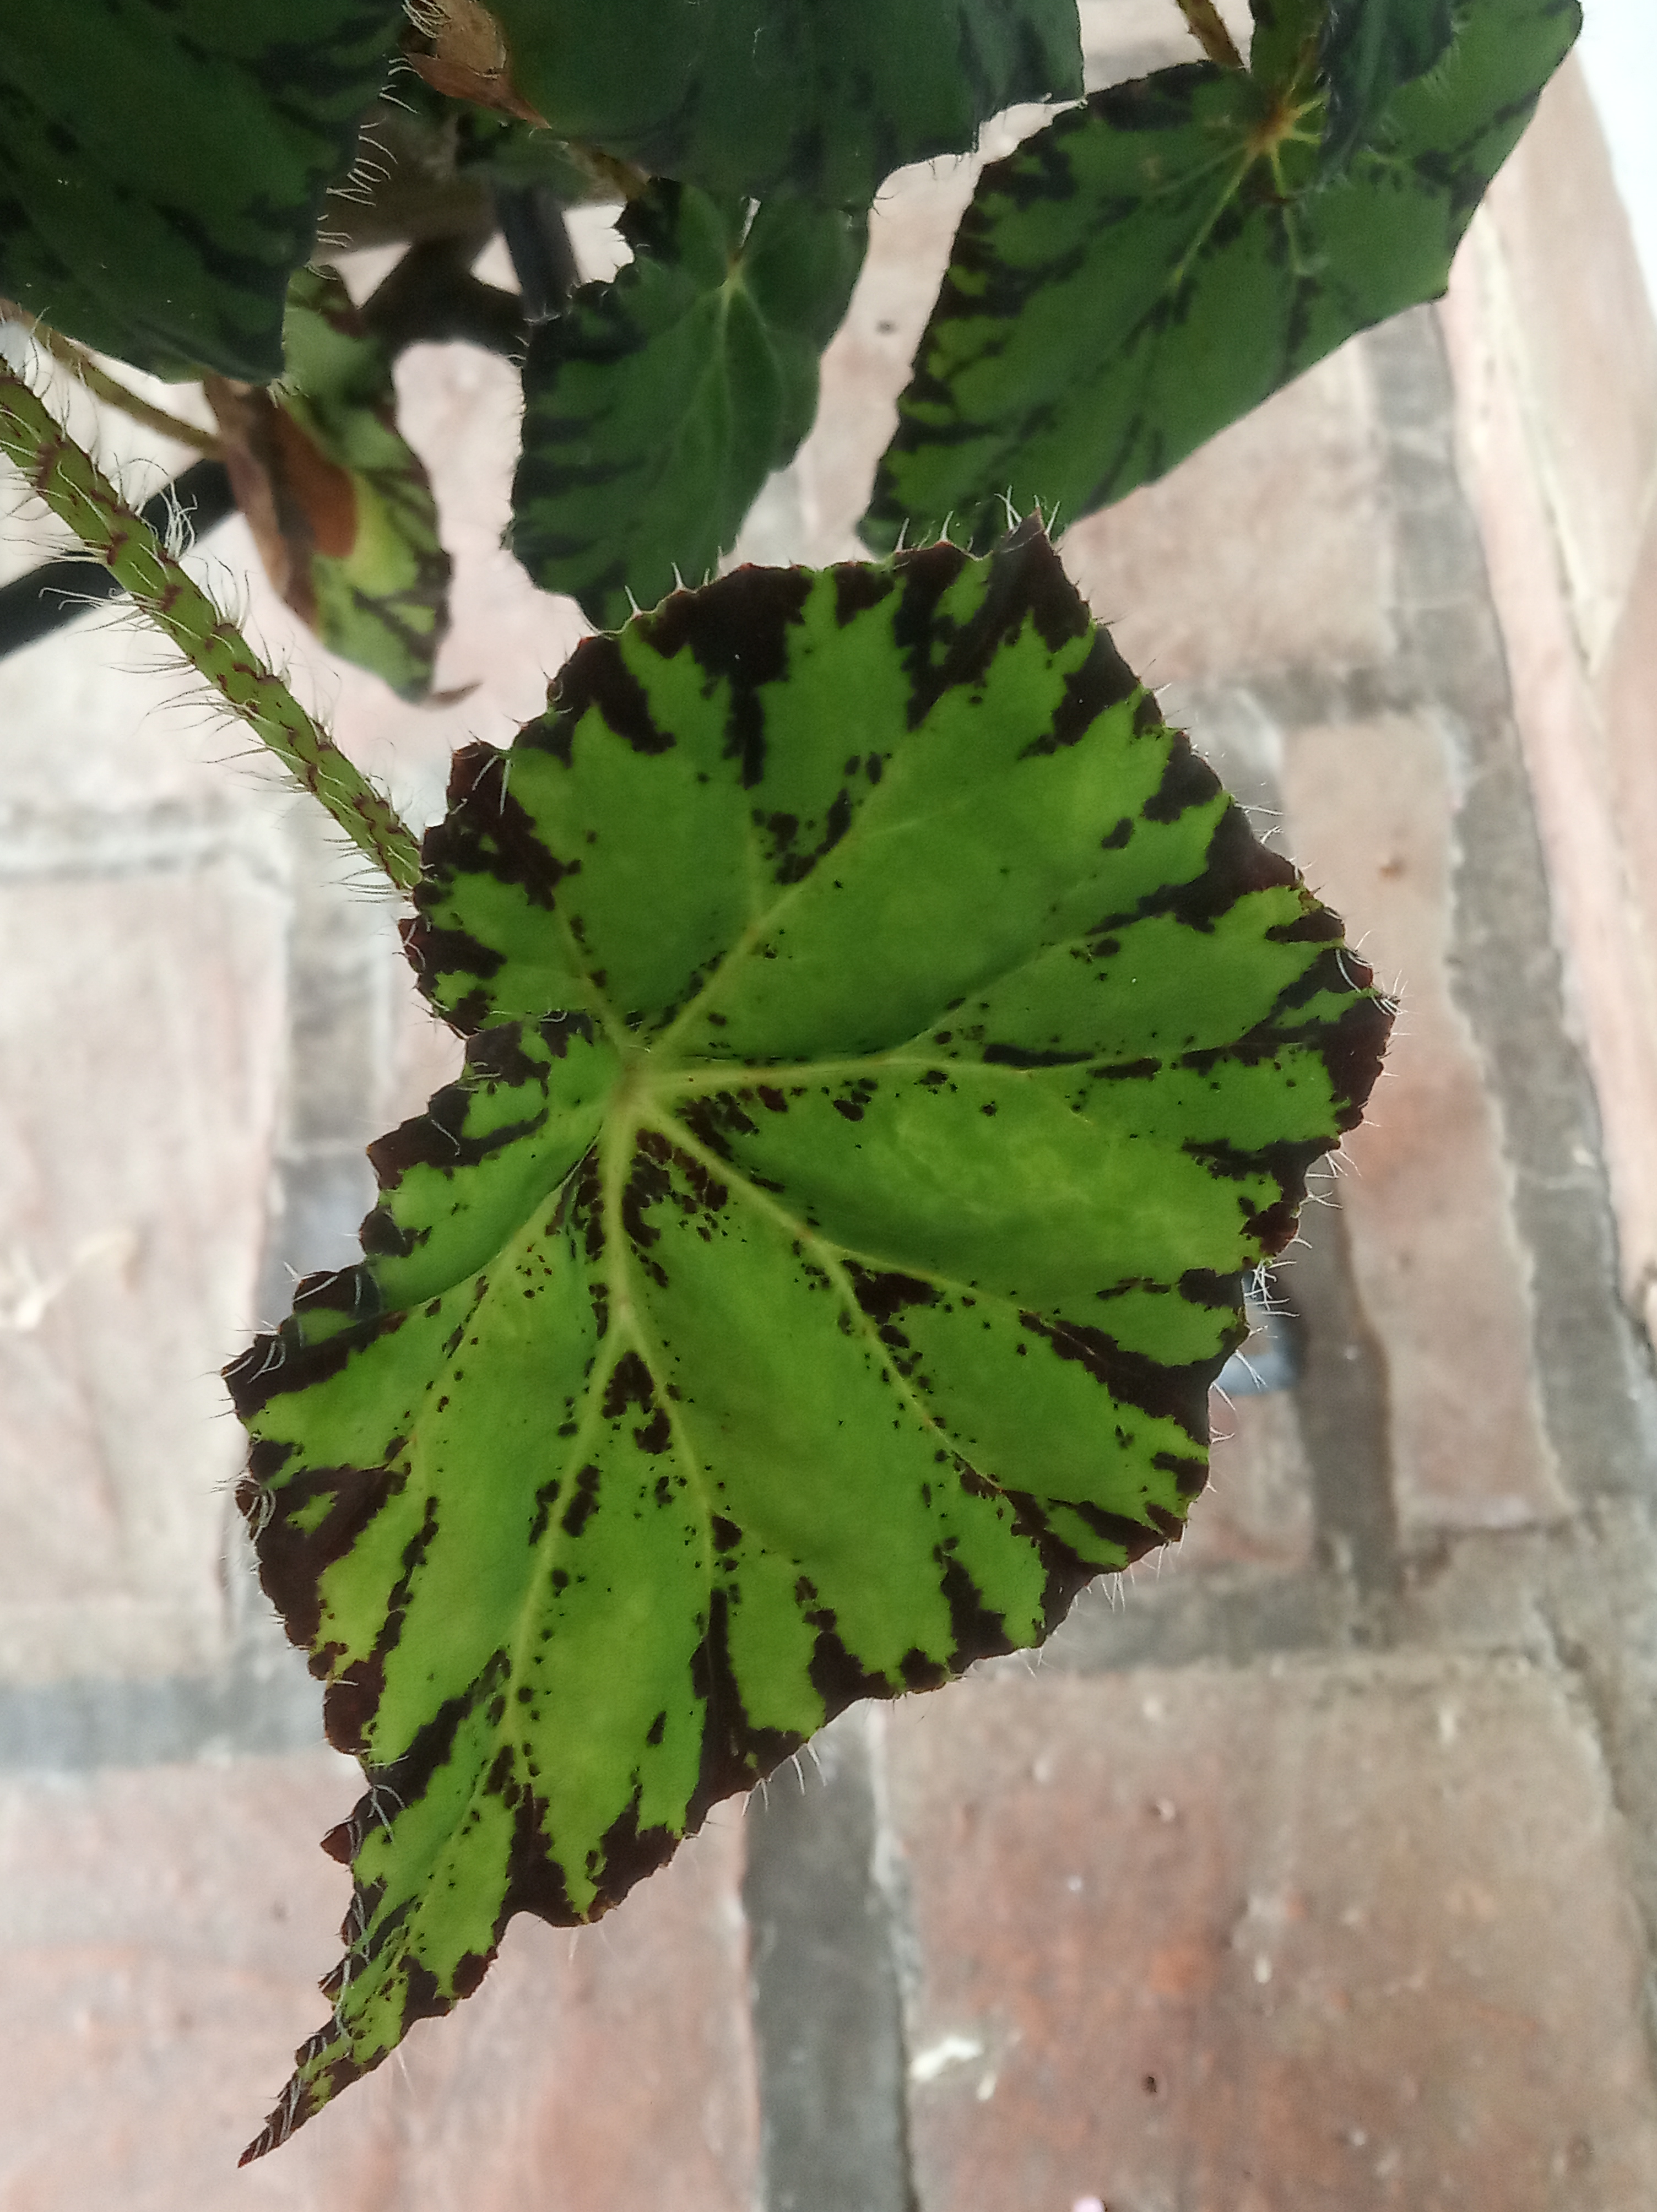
(339,504)
(163,164)
(1158,261)
(890,1049)
(656,406)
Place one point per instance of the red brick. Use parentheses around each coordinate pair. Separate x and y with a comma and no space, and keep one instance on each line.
(1426,1197)
(1610,964)
(1242,561)
(162,1932)
(1307,1939)
(1257,1509)
(1575,292)
(142,1035)
(868,363)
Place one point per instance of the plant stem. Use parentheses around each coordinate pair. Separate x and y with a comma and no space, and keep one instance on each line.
(1211,32)
(81,496)
(101,386)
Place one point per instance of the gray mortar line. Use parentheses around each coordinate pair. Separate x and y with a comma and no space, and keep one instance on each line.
(1341,1407)
(1592,1362)
(823,1987)
(1596,1592)
(256,1707)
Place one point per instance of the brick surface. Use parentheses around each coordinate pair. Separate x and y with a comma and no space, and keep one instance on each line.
(866,365)
(1611,970)
(1240,564)
(134,1160)
(80,738)
(1626,696)
(1257,1509)
(1426,1198)
(1310,1939)
(1590,344)
(162,1930)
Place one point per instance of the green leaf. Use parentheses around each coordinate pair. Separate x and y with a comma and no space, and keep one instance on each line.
(380,586)
(1370,49)
(339,505)
(890,1047)
(656,406)
(1284,48)
(1154,264)
(163,162)
(747,96)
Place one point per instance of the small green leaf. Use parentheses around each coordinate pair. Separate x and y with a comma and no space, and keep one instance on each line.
(382,588)
(1154,264)
(656,406)
(751,96)
(1284,47)
(163,162)
(890,1046)
(1370,49)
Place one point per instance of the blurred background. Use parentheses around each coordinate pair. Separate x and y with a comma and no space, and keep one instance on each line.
(1311,1868)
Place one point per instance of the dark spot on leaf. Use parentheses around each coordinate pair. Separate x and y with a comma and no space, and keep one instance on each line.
(545,1498)
(883,1297)
(1015,1055)
(656,1434)
(584,1503)
(1190,1476)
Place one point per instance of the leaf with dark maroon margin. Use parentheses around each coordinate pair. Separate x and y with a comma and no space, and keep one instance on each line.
(889,1048)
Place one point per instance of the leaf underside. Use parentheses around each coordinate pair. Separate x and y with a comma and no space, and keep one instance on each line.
(163,162)
(1160,260)
(754,96)
(656,406)
(889,1047)
(339,505)
(381,580)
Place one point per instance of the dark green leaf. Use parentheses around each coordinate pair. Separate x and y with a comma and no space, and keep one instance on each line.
(1156,263)
(749,96)
(1371,48)
(1284,47)
(655,407)
(162,164)
(893,1047)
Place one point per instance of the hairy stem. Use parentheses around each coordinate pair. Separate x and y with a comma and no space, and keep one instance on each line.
(83,498)
(101,386)
(1211,32)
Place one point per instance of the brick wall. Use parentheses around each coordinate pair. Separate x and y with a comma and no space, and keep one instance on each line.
(1313,1870)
